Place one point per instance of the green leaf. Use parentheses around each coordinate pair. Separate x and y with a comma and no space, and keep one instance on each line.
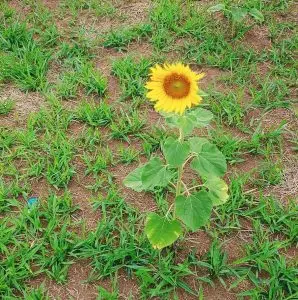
(133,179)
(238,14)
(216,8)
(175,151)
(194,210)
(201,116)
(209,160)
(155,174)
(162,232)
(183,122)
(256,14)
(218,190)
(202,93)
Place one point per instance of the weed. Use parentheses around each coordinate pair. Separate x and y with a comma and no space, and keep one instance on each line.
(59,152)
(126,124)
(6,106)
(120,39)
(128,155)
(131,74)
(95,115)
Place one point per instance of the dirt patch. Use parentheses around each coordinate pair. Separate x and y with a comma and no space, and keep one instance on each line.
(127,14)
(41,189)
(21,9)
(75,129)
(76,287)
(103,63)
(135,11)
(234,245)
(274,117)
(153,117)
(127,287)
(81,196)
(140,49)
(217,292)
(143,201)
(291,253)
(290,15)
(51,4)
(263,69)
(288,188)
(212,77)
(25,104)
(258,38)
(250,164)
(197,242)
(271,120)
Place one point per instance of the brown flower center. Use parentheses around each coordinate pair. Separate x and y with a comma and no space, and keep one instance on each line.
(176,86)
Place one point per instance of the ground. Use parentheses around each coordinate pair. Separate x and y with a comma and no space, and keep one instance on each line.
(74,121)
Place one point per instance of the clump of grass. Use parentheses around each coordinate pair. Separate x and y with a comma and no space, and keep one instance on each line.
(119,39)
(75,51)
(166,13)
(67,86)
(127,155)
(95,114)
(92,80)
(270,93)
(132,74)
(6,106)
(270,173)
(99,161)
(98,7)
(126,124)
(23,61)
(82,74)
(228,107)
(59,151)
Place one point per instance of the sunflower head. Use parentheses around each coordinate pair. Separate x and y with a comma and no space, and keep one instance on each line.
(173,87)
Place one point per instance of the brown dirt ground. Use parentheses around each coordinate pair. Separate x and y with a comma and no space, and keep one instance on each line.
(75,288)
(258,38)
(25,104)
(82,196)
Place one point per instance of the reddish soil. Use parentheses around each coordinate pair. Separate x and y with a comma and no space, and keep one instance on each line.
(76,286)
(258,38)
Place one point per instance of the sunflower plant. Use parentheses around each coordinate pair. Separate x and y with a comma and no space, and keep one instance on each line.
(174,89)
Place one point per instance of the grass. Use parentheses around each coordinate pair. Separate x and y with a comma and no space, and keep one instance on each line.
(73,153)
(6,106)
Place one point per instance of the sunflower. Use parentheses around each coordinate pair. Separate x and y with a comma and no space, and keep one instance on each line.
(173,87)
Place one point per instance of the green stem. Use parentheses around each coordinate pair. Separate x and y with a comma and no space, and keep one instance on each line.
(180,171)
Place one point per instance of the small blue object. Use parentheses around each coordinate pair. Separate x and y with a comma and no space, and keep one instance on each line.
(32,201)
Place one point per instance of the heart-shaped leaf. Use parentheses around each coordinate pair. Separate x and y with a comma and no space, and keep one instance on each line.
(217,7)
(194,210)
(238,14)
(162,232)
(133,179)
(155,174)
(199,117)
(202,116)
(175,151)
(218,190)
(209,160)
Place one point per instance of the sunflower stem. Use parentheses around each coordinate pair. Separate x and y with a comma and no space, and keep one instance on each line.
(180,172)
